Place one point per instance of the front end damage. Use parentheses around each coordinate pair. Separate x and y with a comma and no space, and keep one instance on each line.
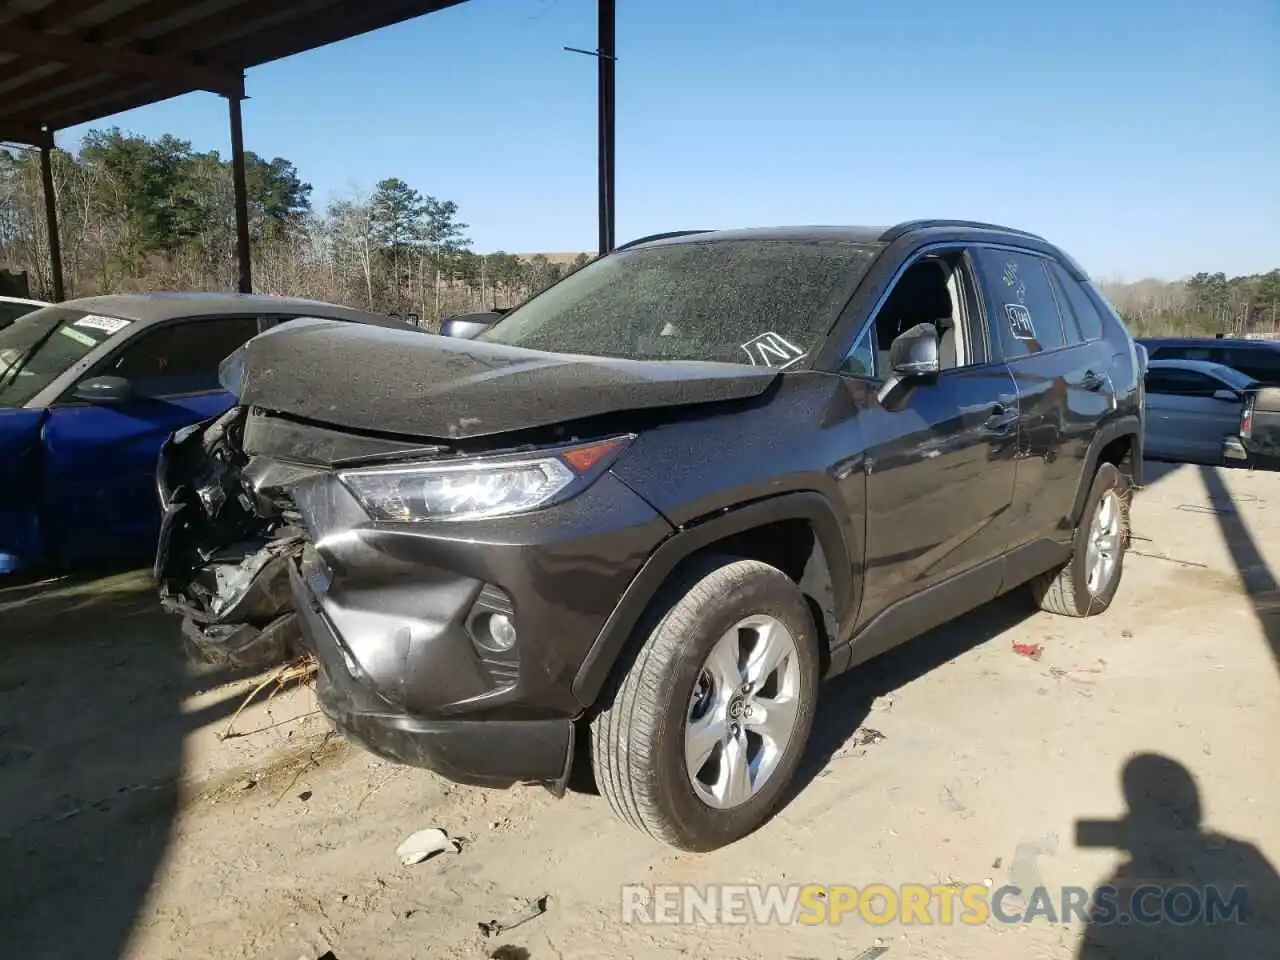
(231,531)
(437,522)
(266,552)
(225,546)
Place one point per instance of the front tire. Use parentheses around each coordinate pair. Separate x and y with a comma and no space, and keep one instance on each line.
(703,732)
(1088,583)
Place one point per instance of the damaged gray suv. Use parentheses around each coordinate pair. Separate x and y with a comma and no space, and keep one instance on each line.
(660,501)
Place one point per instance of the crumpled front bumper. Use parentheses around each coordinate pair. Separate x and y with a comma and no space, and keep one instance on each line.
(400,615)
(489,753)
(234,601)
(258,628)
(396,615)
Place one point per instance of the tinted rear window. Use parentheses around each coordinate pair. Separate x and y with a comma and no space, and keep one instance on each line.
(1086,320)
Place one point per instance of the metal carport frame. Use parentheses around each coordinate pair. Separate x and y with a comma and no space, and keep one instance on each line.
(68,62)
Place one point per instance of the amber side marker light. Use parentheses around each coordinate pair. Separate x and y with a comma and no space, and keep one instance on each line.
(582,459)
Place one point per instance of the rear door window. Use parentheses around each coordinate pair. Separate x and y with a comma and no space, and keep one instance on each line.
(181,357)
(1081,316)
(1022,310)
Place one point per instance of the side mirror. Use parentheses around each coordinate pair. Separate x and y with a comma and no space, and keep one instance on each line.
(103,390)
(913,355)
(467,326)
(1230,396)
(915,352)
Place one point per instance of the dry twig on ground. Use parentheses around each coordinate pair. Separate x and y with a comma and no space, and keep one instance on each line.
(300,670)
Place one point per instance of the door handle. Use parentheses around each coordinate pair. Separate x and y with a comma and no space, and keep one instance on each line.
(1001,416)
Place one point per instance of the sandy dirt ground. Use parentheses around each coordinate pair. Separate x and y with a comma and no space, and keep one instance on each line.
(129,827)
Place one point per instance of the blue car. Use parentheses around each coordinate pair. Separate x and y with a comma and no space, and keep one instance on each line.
(1198,412)
(90,390)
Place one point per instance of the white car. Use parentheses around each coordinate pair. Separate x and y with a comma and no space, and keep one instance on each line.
(11,308)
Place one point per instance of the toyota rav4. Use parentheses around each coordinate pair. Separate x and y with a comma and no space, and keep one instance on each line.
(660,501)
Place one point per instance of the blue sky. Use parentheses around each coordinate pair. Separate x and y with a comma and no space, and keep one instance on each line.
(1140,135)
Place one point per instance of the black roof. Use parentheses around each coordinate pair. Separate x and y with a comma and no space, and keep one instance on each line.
(850,234)
(147,308)
(967,230)
(847,234)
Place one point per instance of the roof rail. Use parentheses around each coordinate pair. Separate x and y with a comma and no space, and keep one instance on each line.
(910,226)
(659,236)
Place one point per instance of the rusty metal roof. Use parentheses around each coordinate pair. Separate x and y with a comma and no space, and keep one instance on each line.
(67,62)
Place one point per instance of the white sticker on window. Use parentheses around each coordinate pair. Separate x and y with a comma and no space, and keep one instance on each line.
(108,325)
(1014,282)
(81,338)
(771,350)
(1020,321)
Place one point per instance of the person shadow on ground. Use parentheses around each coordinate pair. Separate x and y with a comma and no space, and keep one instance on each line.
(1183,891)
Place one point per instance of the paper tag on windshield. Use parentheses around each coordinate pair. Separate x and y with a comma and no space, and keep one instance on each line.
(107,325)
(81,338)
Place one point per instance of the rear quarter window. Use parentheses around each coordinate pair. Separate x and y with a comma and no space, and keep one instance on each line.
(1079,310)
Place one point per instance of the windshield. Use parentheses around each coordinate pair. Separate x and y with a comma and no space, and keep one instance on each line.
(39,347)
(765,302)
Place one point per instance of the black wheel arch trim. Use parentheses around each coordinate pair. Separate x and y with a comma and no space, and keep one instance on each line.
(1127,426)
(807,505)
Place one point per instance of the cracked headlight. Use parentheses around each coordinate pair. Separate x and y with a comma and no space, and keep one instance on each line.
(477,489)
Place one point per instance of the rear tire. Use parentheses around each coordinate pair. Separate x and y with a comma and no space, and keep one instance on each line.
(1088,583)
(680,696)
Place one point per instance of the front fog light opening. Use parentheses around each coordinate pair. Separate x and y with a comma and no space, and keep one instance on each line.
(494,632)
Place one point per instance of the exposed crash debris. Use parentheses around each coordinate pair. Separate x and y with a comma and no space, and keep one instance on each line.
(224,550)
(531,910)
(425,844)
